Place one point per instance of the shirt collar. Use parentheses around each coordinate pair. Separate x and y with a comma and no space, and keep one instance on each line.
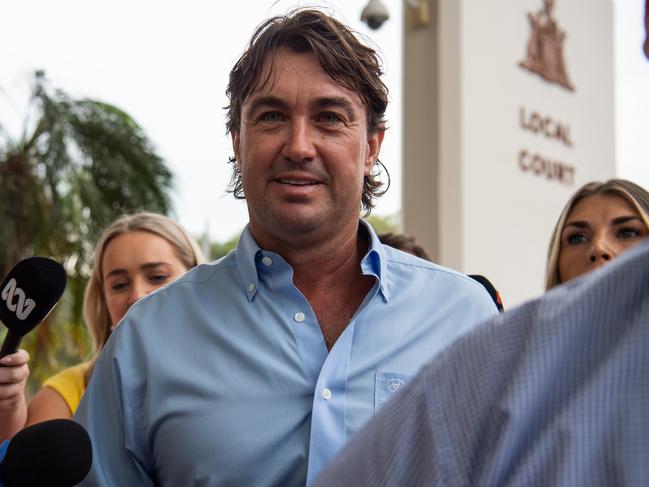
(374,262)
(246,256)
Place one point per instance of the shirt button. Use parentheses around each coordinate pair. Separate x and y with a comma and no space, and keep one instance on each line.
(299,317)
(326,393)
(251,287)
(266,261)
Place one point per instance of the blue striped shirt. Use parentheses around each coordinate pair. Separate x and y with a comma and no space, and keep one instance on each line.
(552,393)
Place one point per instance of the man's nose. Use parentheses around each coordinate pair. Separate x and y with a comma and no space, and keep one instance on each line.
(299,146)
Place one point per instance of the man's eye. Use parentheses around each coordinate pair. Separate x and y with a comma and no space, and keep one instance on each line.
(576,239)
(329,117)
(272,117)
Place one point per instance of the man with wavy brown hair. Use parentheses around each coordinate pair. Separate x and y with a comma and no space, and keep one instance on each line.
(254,370)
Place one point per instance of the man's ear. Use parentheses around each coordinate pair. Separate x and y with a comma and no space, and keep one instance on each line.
(374,142)
(234,134)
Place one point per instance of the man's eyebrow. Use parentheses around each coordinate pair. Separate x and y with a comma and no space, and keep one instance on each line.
(267,101)
(336,102)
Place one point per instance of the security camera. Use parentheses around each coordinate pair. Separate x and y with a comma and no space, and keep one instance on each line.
(374,14)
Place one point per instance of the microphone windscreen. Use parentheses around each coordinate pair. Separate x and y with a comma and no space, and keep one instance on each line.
(495,295)
(52,453)
(29,292)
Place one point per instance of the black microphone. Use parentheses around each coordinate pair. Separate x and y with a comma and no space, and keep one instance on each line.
(54,453)
(27,295)
(495,295)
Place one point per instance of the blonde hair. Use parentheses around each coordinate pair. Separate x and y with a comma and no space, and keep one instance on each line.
(95,311)
(633,194)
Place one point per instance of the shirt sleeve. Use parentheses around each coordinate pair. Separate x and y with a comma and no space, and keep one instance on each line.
(109,412)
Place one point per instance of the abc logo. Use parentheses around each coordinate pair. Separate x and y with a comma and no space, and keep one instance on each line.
(16,300)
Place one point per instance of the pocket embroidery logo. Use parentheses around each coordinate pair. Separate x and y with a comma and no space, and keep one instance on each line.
(394,385)
(387,385)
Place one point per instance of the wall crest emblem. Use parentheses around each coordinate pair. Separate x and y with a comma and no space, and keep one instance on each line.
(545,47)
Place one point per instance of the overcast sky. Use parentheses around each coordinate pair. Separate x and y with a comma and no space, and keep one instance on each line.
(166,63)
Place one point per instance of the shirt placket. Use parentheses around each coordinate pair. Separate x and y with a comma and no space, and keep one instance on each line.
(328,419)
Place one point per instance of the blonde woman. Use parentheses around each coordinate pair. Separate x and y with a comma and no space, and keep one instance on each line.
(600,221)
(136,255)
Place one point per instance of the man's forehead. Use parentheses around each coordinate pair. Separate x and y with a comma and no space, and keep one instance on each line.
(301,69)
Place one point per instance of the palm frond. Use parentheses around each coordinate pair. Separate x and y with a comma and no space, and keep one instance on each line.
(79,164)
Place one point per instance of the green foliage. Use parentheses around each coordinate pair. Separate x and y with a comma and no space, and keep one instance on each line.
(218,249)
(78,165)
(383,224)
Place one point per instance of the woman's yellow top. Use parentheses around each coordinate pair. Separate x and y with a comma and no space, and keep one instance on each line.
(70,384)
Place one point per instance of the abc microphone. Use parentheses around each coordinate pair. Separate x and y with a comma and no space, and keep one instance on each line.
(55,453)
(27,295)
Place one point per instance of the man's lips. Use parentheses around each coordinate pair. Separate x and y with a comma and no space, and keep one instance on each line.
(297,187)
(297,182)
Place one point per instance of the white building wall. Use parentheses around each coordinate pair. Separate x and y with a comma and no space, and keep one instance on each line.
(494,218)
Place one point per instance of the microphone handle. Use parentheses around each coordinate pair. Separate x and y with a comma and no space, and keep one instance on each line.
(10,345)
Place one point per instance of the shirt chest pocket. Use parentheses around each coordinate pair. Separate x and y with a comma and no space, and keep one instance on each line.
(387,385)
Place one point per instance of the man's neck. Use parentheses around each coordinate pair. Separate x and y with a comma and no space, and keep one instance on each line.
(313,256)
(331,266)
(328,274)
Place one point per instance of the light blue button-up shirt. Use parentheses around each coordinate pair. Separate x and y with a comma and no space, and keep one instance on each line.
(223,377)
